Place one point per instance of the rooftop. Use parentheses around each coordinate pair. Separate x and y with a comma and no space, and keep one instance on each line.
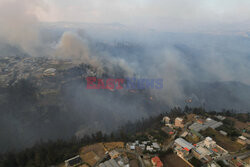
(208,123)
(242,138)
(183,143)
(74,161)
(179,119)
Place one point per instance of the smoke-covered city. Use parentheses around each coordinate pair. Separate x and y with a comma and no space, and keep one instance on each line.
(142,83)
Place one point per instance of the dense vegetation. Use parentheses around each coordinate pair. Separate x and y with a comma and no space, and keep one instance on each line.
(49,153)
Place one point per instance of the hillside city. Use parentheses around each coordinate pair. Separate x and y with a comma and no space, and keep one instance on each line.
(124,83)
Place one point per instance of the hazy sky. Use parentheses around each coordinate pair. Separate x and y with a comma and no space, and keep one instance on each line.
(163,14)
(151,14)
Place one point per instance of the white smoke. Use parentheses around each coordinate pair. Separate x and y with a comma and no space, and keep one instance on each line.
(19,23)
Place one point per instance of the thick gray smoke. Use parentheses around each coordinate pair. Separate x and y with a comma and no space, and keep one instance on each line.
(211,70)
(19,24)
(72,47)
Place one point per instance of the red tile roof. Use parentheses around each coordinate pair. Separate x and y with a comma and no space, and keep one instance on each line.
(215,150)
(157,161)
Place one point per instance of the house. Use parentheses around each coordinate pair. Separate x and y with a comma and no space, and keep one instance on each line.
(209,143)
(142,146)
(109,163)
(208,123)
(179,122)
(201,152)
(145,142)
(156,162)
(73,161)
(114,154)
(242,140)
(184,134)
(183,144)
(223,132)
(49,72)
(200,121)
(148,148)
(220,117)
(156,146)
(132,147)
(166,120)
(207,150)
(122,161)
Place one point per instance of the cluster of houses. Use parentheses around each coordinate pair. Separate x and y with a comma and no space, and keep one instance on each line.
(205,149)
(144,146)
(113,159)
(178,122)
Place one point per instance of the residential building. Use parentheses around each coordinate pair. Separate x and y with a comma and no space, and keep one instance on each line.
(166,120)
(149,148)
(109,163)
(73,161)
(242,140)
(156,162)
(207,150)
(114,154)
(223,132)
(220,117)
(209,143)
(183,144)
(184,134)
(156,146)
(208,123)
(49,72)
(179,122)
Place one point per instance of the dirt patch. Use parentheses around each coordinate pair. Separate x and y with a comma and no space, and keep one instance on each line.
(98,149)
(172,160)
(134,163)
(113,145)
(91,158)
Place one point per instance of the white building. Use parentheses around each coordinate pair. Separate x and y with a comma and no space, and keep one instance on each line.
(209,143)
(156,146)
(223,132)
(148,148)
(49,72)
(184,144)
(179,122)
(166,120)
